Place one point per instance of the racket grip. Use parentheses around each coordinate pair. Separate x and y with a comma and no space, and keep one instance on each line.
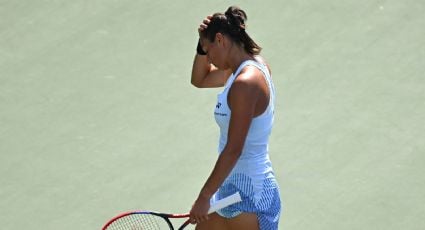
(227,201)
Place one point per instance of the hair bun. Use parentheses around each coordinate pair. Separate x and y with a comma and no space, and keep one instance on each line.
(236,16)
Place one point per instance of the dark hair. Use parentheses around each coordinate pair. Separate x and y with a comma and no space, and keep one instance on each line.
(232,24)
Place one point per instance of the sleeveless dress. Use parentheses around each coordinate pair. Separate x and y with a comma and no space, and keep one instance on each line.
(252,175)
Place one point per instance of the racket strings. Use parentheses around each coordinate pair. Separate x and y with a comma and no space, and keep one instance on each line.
(139,222)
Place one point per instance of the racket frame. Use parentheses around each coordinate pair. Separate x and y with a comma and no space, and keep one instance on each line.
(232,199)
(164,216)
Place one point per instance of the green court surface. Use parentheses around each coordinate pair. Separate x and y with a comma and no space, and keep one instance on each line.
(97,115)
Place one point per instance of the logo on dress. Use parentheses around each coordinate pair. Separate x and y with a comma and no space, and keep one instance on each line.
(218,113)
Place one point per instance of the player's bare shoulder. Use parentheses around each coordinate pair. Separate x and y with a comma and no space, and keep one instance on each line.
(263,61)
(248,80)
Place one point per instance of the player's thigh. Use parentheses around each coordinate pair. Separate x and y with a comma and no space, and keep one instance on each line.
(246,221)
(214,222)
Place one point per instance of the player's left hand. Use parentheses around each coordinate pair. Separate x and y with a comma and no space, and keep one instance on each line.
(199,211)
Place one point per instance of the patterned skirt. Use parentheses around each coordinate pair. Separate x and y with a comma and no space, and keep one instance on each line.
(260,197)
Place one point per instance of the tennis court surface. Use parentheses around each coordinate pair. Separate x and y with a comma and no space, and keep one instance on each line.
(97,115)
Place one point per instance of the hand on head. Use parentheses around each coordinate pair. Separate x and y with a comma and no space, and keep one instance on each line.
(204,23)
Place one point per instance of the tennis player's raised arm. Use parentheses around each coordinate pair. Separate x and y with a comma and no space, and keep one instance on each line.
(206,75)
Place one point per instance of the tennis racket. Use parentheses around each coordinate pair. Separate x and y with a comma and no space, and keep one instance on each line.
(146,220)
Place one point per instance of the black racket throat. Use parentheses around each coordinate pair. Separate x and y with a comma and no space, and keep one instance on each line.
(167,217)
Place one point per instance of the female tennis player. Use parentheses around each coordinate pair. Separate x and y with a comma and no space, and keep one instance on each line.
(227,57)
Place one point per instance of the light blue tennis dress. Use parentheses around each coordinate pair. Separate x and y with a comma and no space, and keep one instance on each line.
(252,175)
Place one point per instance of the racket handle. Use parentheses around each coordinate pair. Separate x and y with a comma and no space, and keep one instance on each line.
(227,201)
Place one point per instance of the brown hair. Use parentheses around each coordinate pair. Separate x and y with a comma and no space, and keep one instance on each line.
(232,24)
